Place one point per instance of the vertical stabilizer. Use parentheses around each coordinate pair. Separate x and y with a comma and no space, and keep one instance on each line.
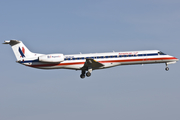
(19,49)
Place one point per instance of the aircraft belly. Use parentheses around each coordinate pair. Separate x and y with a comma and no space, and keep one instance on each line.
(75,67)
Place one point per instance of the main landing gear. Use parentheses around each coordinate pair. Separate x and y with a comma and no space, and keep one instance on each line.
(88,73)
(83,74)
(167,68)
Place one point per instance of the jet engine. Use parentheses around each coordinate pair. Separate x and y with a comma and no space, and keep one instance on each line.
(53,58)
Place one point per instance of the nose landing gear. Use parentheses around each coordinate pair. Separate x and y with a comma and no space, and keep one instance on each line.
(167,68)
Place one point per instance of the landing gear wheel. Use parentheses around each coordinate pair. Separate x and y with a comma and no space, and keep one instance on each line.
(166,68)
(82,76)
(88,74)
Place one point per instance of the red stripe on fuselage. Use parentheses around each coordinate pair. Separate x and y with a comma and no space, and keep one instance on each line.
(137,60)
(108,61)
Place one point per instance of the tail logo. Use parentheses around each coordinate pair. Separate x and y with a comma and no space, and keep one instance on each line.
(22,52)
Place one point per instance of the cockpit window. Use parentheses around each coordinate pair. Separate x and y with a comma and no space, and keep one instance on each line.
(161,53)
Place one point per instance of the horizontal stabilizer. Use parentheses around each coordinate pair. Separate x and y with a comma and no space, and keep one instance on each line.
(11,42)
(6,42)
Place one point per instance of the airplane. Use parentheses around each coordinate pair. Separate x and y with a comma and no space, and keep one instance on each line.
(87,62)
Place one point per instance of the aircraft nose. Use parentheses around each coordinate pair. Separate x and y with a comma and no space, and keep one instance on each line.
(176,59)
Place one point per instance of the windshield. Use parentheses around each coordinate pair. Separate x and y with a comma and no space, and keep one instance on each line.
(161,53)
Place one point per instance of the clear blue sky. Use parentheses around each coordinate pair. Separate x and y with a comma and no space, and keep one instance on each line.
(57,26)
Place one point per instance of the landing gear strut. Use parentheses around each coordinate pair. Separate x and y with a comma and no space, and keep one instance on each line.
(83,74)
(167,68)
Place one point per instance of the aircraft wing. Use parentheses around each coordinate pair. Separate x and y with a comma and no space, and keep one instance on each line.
(91,63)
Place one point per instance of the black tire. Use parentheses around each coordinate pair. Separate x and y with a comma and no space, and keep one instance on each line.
(166,68)
(88,74)
(82,76)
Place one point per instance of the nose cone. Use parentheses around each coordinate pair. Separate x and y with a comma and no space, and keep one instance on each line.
(176,59)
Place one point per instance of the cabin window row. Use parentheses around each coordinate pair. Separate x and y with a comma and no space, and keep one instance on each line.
(115,56)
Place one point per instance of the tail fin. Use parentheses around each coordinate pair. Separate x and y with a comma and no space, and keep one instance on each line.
(19,49)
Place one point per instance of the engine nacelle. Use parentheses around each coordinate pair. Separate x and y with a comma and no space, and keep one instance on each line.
(53,58)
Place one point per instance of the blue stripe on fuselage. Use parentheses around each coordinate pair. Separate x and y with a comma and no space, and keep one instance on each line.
(29,61)
(36,60)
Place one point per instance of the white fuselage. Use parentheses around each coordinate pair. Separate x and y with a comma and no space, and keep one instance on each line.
(87,62)
(111,59)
